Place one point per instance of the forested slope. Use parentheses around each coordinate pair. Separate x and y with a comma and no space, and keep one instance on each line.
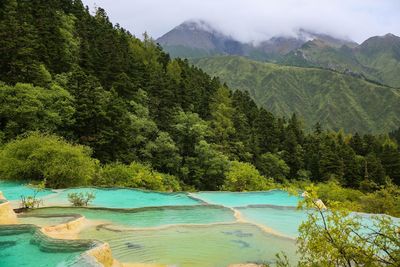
(335,100)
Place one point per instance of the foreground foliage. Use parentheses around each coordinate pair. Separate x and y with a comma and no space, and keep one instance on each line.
(335,237)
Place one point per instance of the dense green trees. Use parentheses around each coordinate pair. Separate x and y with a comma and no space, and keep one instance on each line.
(24,107)
(76,75)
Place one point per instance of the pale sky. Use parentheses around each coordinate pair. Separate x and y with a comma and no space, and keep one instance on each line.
(255,20)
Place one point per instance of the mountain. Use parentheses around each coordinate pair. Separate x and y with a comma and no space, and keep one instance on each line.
(377,58)
(334,99)
(198,38)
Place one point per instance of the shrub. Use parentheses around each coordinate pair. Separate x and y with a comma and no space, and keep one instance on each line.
(114,174)
(38,156)
(30,202)
(171,183)
(81,199)
(333,191)
(386,200)
(245,177)
(136,175)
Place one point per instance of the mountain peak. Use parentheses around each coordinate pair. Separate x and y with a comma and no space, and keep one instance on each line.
(386,41)
(390,35)
(199,38)
(196,25)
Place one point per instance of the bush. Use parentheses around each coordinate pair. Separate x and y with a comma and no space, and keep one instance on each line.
(136,175)
(81,199)
(386,200)
(245,177)
(38,156)
(333,191)
(30,202)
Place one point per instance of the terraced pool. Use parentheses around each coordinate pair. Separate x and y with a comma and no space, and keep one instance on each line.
(194,246)
(149,217)
(176,229)
(23,245)
(14,191)
(285,220)
(241,199)
(125,198)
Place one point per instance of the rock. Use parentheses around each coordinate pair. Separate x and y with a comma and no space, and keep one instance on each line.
(304,194)
(103,255)
(7,214)
(320,204)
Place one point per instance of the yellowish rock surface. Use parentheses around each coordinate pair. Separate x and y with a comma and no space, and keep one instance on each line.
(320,204)
(69,230)
(7,214)
(104,256)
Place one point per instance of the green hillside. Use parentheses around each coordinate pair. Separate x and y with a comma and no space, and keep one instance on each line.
(317,95)
(378,58)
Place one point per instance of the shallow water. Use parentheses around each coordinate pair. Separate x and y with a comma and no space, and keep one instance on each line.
(125,198)
(240,199)
(194,246)
(16,249)
(44,221)
(150,217)
(283,220)
(14,190)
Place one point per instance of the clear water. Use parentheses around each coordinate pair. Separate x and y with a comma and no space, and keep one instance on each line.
(283,220)
(286,221)
(152,217)
(17,250)
(240,199)
(194,246)
(44,221)
(125,198)
(14,190)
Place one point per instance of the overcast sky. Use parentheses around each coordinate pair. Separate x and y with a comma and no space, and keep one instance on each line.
(254,20)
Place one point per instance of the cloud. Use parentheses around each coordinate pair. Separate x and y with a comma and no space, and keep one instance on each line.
(255,20)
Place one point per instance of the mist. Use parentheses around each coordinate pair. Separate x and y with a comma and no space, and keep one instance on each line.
(257,20)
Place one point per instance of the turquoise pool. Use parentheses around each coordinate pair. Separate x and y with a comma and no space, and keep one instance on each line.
(240,199)
(194,246)
(283,220)
(14,191)
(43,221)
(133,198)
(148,217)
(125,198)
(23,246)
